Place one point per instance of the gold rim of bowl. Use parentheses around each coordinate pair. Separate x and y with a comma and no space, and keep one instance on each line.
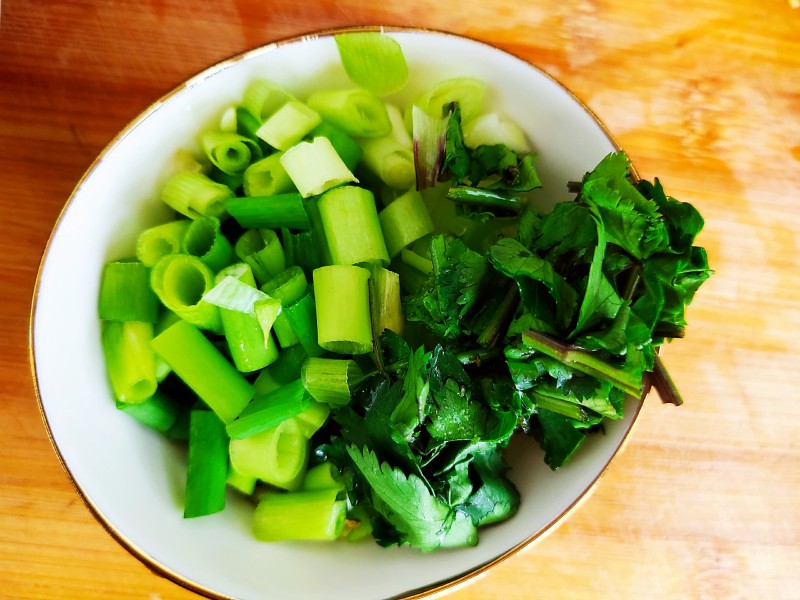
(161,569)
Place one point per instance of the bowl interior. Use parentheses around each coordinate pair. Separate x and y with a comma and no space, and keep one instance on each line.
(131,476)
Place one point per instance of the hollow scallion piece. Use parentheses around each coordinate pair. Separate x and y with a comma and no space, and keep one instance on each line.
(313,417)
(284,370)
(277,456)
(235,294)
(262,250)
(267,311)
(195,195)
(315,167)
(281,210)
(352,229)
(404,221)
(241,483)
(130,362)
(180,281)
(185,161)
(356,111)
(267,177)
(467,92)
(227,120)
(385,302)
(204,240)
(288,287)
(373,61)
(323,476)
(305,249)
(360,525)
(208,465)
(306,515)
(201,366)
(158,411)
(158,241)
(288,125)
(262,98)
(391,157)
(301,316)
(266,412)
(230,152)
(491,129)
(330,380)
(166,319)
(125,293)
(430,138)
(246,123)
(346,147)
(343,315)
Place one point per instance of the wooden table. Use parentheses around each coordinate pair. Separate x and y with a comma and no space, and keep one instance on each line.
(705,94)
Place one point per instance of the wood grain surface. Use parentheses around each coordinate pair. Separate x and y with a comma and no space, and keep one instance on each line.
(704,94)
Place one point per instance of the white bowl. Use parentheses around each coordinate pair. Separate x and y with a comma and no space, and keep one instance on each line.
(132,479)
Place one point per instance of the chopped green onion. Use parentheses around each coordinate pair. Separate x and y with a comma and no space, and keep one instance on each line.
(266,412)
(346,147)
(267,311)
(158,241)
(235,294)
(185,161)
(361,526)
(330,380)
(352,228)
(208,465)
(287,286)
(373,61)
(204,240)
(343,315)
(130,362)
(305,249)
(324,476)
(267,177)
(385,303)
(125,293)
(277,456)
(262,98)
(288,125)
(201,366)
(315,167)
(241,483)
(467,92)
(227,121)
(284,370)
(181,281)
(166,319)
(282,210)
(491,129)
(246,123)
(478,197)
(262,250)
(195,195)
(404,221)
(313,417)
(411,258)
(308,515)
(391,157)
(230,152)
(301,316)
(358,112)
(158,411)
(430,138)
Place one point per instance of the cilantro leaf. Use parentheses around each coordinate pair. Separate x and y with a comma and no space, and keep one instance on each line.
(557,437)
(404,501)
(496,498)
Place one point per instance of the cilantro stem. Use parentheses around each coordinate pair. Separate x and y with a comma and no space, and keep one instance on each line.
(665,386)
(560,406)
(583,361)
(497,325)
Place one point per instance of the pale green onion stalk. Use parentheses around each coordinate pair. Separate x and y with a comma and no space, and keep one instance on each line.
(491,129)
(373,61)
(304,515)
(404,221)
(391,157)
(469,93)
(352,229)
(385,301)
(343,315)
(204,369)
(205,240)
(262,98)
(330,380)
(125,293)
(262,250)
(267,177)
(288,125)
(356,111)
(156,242)
(180,281)
(130,362)
(277,456)
(195,195)
(315,167)
(230,152)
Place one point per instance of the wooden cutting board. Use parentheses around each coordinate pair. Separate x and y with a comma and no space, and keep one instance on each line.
(705,94)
